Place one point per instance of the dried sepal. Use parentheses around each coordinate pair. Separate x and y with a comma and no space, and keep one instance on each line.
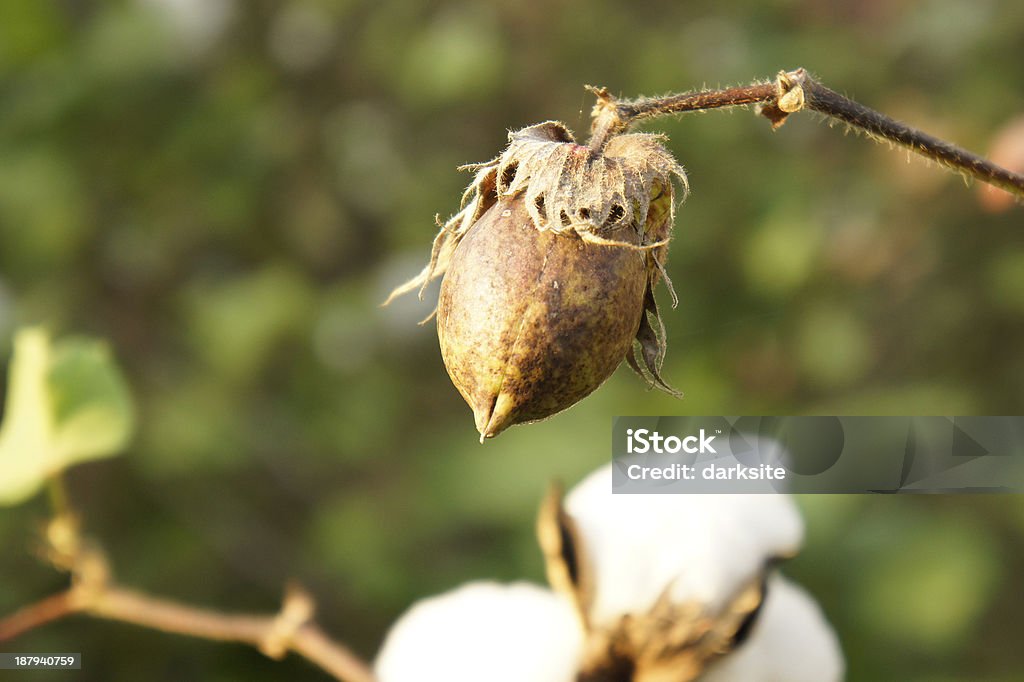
(592,194)
(477,198)
(648,355)
(566,567)
(670,640)
(696,637)
(569,187)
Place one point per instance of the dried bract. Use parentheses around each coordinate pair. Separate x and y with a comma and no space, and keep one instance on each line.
(549,272)
(676,588)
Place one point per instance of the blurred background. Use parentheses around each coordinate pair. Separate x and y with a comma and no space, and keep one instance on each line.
(226,190)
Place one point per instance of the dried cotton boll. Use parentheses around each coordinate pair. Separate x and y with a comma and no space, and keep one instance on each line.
(549,273)
(790,641)
(484,631)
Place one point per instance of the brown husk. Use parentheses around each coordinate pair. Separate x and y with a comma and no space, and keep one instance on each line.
(549,272)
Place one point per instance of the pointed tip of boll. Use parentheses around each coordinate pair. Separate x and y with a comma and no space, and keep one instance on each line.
(493,416)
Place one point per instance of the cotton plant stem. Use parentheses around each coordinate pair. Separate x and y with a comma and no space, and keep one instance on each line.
(94,593)
(274,635)
(791,92)
(36,615)
(648,107)
(58,494)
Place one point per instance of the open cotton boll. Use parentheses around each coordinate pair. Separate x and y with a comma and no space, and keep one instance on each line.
(703,548)
(790,642)
(484,631)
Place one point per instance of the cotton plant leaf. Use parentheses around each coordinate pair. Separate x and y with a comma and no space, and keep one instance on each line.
(92,407)
(66,403)
(27,424)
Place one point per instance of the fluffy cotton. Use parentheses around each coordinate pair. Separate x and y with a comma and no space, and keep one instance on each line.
(484,631)
(791,642)
(703,548)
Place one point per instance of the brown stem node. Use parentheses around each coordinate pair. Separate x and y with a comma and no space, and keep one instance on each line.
(794,91)
(296,611)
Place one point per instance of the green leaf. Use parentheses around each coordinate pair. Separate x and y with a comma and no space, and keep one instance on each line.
(92,409)
(66,403)
(24,435)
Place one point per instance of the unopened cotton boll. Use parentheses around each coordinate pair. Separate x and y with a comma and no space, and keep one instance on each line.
(549,272)
(695,548)
(790,642)
(484,631)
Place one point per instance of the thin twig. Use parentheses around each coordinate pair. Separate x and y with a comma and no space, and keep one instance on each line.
(315,646)
(274,635)
(261,631)
(94,592)
(58,495)
(791,92)
(831,103)
(648,107)
(36,615)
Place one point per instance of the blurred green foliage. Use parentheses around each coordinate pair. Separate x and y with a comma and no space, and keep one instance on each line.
(226,191)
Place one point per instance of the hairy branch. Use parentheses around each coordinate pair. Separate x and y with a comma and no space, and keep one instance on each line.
(94,593)
(791,92)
